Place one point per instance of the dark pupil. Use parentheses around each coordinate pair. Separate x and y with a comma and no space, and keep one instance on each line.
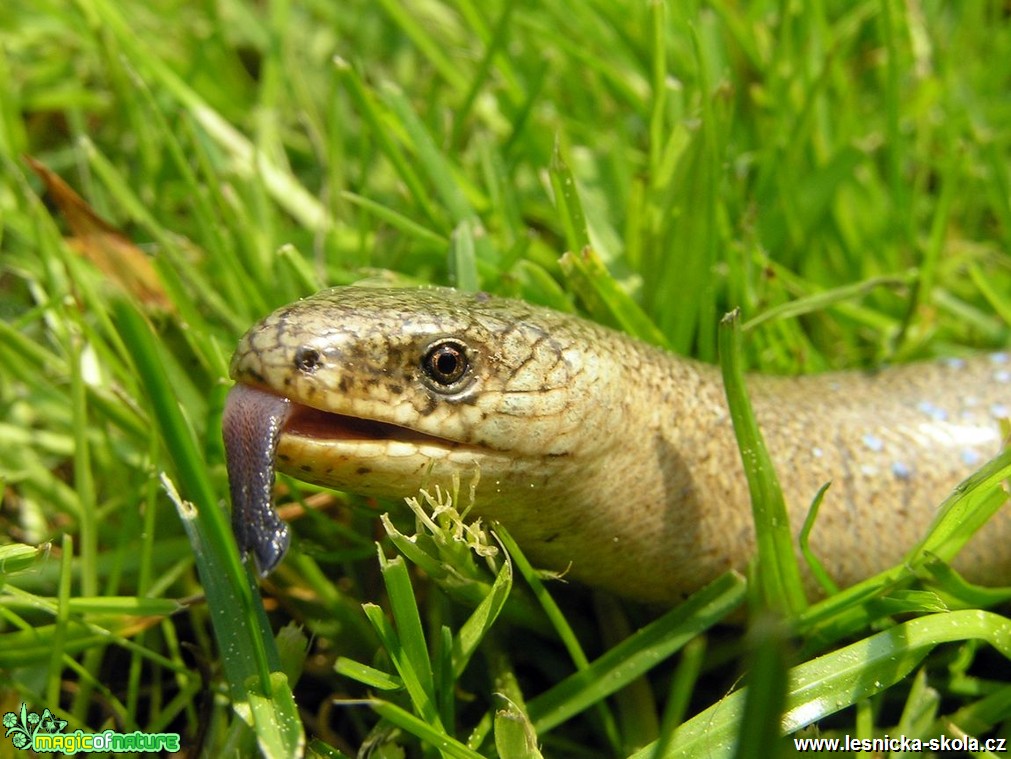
(446,363)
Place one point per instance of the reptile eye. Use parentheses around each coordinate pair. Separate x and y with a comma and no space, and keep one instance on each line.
(446,363)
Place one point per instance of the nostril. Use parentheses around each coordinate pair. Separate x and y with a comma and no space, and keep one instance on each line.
(307,360)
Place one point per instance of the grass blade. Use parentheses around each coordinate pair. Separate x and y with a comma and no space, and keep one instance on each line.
(839,679)
(253,665)
(629,659)
(778,573)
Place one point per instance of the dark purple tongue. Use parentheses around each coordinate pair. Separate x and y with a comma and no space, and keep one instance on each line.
(251,425)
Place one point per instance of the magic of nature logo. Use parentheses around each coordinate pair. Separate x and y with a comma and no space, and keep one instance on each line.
(43,733)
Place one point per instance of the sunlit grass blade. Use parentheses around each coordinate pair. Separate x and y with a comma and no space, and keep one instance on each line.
(397,220)
(410,635)
(968,593)
(920,709)
(237,613)
(605,299)
(766,689)
(682,684)
(369,108)
(18,557)
(968,508)
(441,172)
(839,679)
(102,605)
(803,539)
(778,572)
(820,301)
(278,725)
(35,645)
(370,676)
(422,37)
(543,596)
(447,746)
(514,735)
(463,259)
(561,626)
(479,624)
(567,202)
(629,659)
(286,190)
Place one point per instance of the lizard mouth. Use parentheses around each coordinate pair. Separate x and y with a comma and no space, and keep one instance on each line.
(308,422)
(254,422)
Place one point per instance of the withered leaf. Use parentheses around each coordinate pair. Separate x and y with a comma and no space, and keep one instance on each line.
(101,243)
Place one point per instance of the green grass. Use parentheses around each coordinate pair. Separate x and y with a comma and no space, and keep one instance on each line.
(840,171)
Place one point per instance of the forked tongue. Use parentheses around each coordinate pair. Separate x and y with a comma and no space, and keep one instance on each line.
(251,425)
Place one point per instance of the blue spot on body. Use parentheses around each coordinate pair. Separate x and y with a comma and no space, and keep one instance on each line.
(817,452)
(954,363)
(999,411)
(874,443)
(901,470)
(970,457)
(1002,375)
(999,358)
(934,412)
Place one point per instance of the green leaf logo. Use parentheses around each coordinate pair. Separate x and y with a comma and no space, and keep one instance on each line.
(21,728)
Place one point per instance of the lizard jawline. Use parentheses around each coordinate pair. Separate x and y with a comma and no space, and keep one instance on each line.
(319,425)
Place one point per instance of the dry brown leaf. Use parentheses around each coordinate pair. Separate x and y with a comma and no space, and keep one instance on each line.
(106,247)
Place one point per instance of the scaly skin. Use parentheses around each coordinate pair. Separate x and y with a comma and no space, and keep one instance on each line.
(609,456)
